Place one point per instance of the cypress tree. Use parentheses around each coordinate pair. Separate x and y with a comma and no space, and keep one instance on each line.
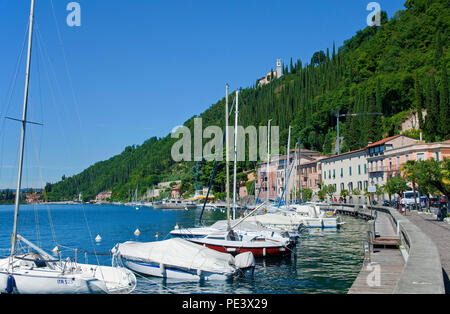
(438,50)
(418,101)
(432,119)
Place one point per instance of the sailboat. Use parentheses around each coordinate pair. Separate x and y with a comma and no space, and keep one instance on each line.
(34,271)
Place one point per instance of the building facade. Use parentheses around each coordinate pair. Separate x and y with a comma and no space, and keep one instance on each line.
(271,75)
(347,171)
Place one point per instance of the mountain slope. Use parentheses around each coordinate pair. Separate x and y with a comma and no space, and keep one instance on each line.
(397,68)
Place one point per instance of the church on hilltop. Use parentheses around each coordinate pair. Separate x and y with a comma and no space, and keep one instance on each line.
(271,75)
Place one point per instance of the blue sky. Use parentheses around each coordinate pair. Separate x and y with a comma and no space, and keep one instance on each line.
(138,68)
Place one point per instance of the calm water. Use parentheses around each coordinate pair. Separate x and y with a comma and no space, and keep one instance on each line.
(327,261)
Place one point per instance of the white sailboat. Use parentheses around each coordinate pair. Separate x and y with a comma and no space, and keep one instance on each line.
(34,271)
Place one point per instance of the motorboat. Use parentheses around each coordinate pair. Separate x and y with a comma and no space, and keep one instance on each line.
(235,243)
(180,259)
(242,228)
(313,217)
(174,204)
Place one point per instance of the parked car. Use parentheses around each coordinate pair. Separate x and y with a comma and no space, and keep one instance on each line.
(433,201)
(386,203)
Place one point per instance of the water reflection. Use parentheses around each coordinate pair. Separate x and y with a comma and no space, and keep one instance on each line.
(326,261)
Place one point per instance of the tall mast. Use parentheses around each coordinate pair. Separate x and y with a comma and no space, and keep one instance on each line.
(268,161)
(22,137)
(235,153)
(288,161)
(227,157)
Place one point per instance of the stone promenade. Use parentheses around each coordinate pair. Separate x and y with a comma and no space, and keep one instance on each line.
(439,233)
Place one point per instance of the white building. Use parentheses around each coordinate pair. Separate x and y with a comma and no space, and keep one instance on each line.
(347,171)
(271,75)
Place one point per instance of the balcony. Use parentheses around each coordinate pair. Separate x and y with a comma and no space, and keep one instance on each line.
(384,168)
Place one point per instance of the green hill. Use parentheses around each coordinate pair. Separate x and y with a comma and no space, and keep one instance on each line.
(397,68)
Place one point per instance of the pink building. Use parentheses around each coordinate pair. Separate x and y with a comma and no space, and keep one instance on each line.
(103,196)
(277,173)
(176,192)
(388,164)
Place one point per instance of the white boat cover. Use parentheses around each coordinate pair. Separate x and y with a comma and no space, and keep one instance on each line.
(243,226)
(310,210)
(181,253)
(273,219)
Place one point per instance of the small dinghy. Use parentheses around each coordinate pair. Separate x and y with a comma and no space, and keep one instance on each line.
(182,260)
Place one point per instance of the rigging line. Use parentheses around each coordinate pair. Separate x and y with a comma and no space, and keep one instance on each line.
(39,44)
(14,78)
(78,116)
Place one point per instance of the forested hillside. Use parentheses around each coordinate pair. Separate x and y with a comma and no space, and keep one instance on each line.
(398,68)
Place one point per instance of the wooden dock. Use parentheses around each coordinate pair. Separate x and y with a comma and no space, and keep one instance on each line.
(381,275)
(384,262)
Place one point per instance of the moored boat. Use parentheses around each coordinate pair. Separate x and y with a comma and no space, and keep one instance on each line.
(182,260)
(234,243)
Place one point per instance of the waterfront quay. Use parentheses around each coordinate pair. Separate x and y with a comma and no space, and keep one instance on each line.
(402,254)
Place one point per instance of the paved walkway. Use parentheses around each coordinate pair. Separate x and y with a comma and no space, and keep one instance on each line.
(439,233)
(382,270)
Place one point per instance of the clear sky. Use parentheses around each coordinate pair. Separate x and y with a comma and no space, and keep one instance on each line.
(136,69)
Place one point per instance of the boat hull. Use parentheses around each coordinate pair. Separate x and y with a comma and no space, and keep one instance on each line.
(86,279)
(278,251)
(171,272)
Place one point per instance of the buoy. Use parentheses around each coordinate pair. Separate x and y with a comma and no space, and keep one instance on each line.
(55,250)
(98,238)
(137,232)
(137,208)
(157,235)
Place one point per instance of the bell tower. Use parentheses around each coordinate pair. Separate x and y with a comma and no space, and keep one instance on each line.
(279,68)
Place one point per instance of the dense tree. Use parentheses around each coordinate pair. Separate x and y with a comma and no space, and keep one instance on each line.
(387,67)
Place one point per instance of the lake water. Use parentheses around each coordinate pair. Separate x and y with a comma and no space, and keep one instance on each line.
(326,261)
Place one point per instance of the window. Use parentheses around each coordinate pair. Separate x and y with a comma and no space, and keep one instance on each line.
(325,175)
(365,169)
(342,186)
(350,171)
(334,173)
(420,156)
(342,172)
(359,169)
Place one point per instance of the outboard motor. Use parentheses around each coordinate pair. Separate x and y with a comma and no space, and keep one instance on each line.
(245,262)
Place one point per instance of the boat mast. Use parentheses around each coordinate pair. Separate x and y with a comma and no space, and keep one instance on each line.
(268,161)
(288,161)
(235,153)
(22,137)
(227,157)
